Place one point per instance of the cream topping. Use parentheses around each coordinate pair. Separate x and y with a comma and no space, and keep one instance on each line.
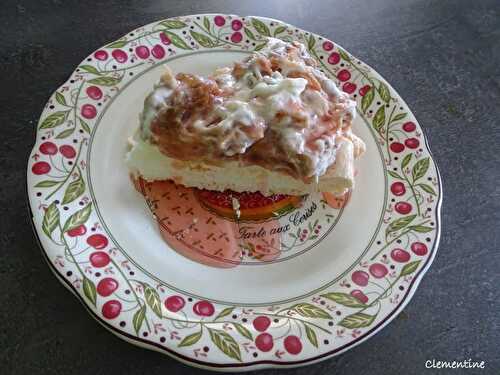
(305,120)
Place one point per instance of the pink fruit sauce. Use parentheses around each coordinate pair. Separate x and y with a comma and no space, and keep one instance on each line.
(191,222)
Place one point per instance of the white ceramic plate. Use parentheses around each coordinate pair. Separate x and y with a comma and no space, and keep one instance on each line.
(339,275)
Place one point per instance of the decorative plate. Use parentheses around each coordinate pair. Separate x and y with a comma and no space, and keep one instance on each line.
(306,284)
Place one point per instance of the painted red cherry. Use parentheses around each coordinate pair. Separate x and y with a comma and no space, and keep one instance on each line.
(203,308)
(334,58)
(165,39)
(97,241)
(378,270)
(88,111)
(78,231)
(412,143)
(219,21)
(327,46)
(344,75)
(158,52)
(174,303)
(400,255)
(48,148)
(142,52)
(264,342)
(398,188)
(119,55)
(403,208)
(101,55)
(107,286)
(40,167)
(397,147)
(261,323)
(292,344)
(94,92)
(67,151)
(111,309)
(236,25)
(99,259)
(349,87)
(236,37)
(419,248)
(360,278)
(409,126)
(359,295)
(363,90)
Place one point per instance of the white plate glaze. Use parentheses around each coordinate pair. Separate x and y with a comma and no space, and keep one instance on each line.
(338,283)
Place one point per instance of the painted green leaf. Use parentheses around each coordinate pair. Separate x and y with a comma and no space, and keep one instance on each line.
(344,299)
(357,320)
(399,224)
(243,331)
(398,117)
(105,81)
(410,268)
(47,183)
(225,312)
(344,55)
(206,23)
(152,299)
(177,40)
(367,100)
(74,189)
(421,228)
(427,188)
(379,118)
(225,343)
(203,40)
(260,46)
(261,27)
(138,319)
(89,290)
(78,218)
(53,120)
(311,42)
(420,169)
(311,335)
(384,93)
(406,161)
(395,175)
(173,24)
(60,98)
(50,219)
(65,133)
(118,44)
(190,339)
(279,30)
(286,38)
(84,125)
(310,311)
(249,33)
(90,69)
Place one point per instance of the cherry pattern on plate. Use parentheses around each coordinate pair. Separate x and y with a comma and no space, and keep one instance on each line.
(129,300)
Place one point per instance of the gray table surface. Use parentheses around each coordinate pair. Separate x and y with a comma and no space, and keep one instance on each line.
(443,57)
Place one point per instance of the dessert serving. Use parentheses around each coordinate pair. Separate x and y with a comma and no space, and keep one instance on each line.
(272,123)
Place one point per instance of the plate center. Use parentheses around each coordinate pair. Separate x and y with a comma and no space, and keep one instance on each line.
(129,223)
